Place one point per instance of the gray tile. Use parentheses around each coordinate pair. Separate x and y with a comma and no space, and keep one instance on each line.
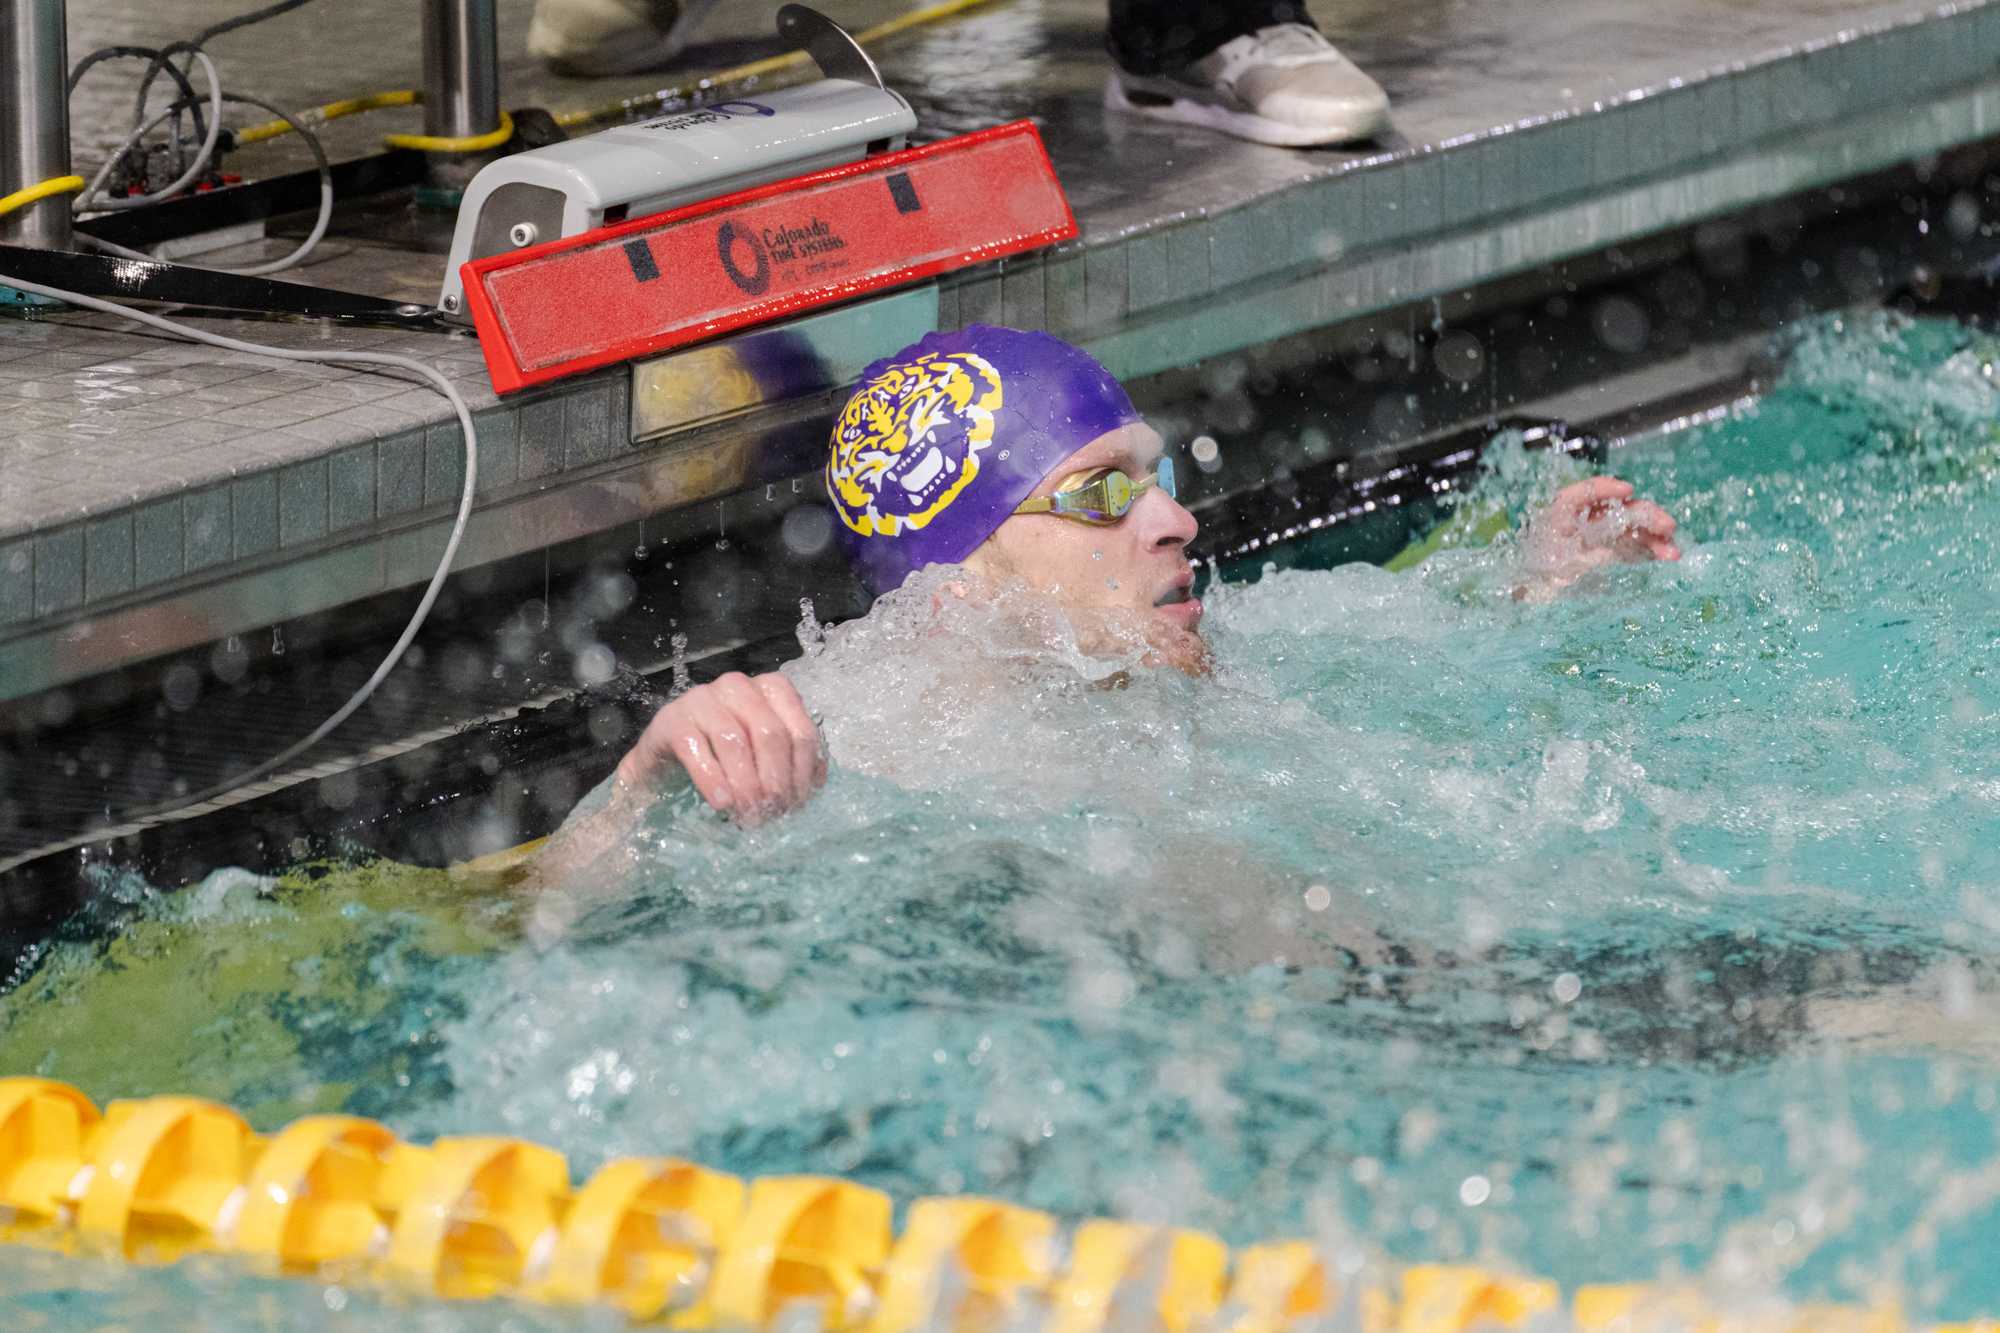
(588,433)
(947,299)
(621,409)
(1380,217)
(17,581)
(1611,148)
(107,557)
(351,487)
(499,431)
(1714,115)
(59,570)
(1105,287)
(1024,300)
(235,392)
(399,484)
(1423,194)
(1065,290)
(980,299)
(1463,199)
(1236,244)
(1647,131)
(1187,260)
(253,513)
(302,502)
(541,436)
(1148,282)
(157,543)
(1500,171)
(444,462)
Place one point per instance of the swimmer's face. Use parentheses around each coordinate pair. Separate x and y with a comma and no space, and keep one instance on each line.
(1138,563)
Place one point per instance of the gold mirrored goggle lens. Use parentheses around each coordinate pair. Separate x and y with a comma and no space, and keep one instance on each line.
(1103,496)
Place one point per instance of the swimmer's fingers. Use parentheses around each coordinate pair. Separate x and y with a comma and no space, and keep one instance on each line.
(1583,500)
(1649,532)
(699,752)
(808,759)
(770,745)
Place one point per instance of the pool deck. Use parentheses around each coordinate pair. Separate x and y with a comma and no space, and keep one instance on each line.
(162,494)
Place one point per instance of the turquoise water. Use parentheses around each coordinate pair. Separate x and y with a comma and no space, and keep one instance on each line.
(1650,931)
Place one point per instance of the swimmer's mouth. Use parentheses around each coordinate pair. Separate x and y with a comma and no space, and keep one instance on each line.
(1180,592)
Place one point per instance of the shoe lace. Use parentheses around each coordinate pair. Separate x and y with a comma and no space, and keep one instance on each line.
(1278,46)
(1292,44)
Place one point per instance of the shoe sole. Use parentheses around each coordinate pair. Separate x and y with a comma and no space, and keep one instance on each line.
(1365,123)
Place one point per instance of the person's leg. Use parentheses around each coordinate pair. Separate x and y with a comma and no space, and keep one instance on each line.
(598,37)
(1258,69)
(1155,36)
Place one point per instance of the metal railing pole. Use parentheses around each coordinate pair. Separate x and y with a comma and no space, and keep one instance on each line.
(34,118)
(461,68)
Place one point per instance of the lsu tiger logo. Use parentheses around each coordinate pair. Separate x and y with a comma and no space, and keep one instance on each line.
(908,442)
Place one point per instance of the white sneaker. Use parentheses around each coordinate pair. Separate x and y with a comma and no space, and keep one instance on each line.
(600,37)
(1285,85)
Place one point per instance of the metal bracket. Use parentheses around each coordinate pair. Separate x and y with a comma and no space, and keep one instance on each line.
(831,46)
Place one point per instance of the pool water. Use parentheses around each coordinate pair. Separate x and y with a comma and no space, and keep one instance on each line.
(1647,932)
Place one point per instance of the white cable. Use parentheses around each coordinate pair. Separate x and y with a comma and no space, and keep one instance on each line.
(283,262)
(195,168)
(443,386)
(279,265)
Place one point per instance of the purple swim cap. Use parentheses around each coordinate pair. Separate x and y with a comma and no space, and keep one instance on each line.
(943,439)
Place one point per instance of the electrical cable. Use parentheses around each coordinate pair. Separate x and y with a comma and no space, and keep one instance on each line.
(305,247)
(40,190)
(163,58)
(104,53)
(430,595)
(85,201)
(469,143)
(319,115)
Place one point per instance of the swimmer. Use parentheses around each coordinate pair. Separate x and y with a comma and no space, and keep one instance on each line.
(1020,461)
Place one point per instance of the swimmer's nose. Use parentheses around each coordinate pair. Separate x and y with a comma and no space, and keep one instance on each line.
(1169,525)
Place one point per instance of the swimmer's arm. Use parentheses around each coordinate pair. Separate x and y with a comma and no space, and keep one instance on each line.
(747,744)
(1589,523)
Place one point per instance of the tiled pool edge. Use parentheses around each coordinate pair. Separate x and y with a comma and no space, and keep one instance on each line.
(362,504)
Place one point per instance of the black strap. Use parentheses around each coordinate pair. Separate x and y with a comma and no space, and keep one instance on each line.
(120,279)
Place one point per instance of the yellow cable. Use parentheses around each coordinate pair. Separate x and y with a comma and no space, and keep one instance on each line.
(472,143)
(319,115)
(758,68)
(40,190)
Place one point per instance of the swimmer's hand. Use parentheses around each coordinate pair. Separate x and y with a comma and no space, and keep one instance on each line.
(747,743)
(1592,523)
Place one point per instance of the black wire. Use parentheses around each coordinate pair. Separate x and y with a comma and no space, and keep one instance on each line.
(163,58)
(188,93)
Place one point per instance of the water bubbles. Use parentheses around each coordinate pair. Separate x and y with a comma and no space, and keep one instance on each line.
(1621,324)
(806,530)
(227,661)
(594,664)
(1318,898)
(1206,453)
(1459,357)
(1567,988)
(681,682)
(1962,216)
(181,686)
(1474,1190)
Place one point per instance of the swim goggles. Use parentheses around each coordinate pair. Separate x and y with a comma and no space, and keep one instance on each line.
(1102,496)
